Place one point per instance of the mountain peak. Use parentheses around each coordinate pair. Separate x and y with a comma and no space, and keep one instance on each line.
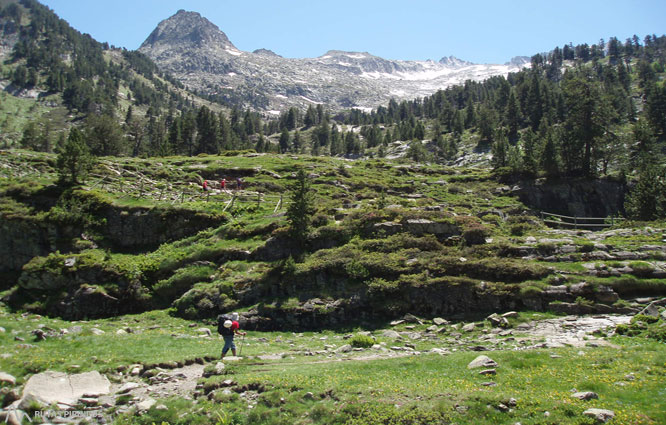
(454,62)
(188,28)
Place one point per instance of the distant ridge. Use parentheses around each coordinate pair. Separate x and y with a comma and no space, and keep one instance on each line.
(202,57)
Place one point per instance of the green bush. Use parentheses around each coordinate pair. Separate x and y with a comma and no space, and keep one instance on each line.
(519,229)
(644,318)
(362,341)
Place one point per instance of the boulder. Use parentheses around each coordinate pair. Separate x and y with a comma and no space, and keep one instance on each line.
(205,331)
(390,334)
(482,361)
(146,404)
(58,387)
(601,415)
(439,321)
(585,395)
(6,378)
(344,349)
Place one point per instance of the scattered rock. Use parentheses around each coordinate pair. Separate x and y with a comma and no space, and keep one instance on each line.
(145,404)
(344,349)
(585,395)
(390,334)
(96,331)
(439,321)
(410,318)
(126,388)
(488,372)
(469,327)
(308,396)
(482,361)
(205,331)
(6,378)
(601,415)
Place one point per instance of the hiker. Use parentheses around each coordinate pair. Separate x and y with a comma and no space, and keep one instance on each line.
(239,183)
(230,327)
(223,184)
(204,185)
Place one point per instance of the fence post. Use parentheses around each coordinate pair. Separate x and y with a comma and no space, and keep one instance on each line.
(182,196)
(575,222)
(207,196)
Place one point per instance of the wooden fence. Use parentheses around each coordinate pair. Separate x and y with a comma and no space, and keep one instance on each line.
(594,223)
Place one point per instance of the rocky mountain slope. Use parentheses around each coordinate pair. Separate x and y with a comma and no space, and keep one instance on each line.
(200,55)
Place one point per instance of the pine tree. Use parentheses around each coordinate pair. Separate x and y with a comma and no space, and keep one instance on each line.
(74,159)
(512,116)
(500,150)
(285,142)
(301,207)
(647,199)
(550,159)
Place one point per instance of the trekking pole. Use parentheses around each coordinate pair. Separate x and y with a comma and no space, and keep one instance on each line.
(240,350)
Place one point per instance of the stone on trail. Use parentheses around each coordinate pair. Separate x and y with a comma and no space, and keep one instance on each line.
(482,361)
(58,387)
(601,415)
(232,359)
(128,387)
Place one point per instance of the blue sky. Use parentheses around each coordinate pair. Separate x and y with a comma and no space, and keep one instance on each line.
(479,31)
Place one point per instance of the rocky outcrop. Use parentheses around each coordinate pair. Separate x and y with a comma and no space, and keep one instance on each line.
(582,198)
(21,240)
(121,229)
(147,228)
(61,388)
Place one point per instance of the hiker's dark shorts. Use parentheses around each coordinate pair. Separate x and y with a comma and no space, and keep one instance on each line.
(228,344)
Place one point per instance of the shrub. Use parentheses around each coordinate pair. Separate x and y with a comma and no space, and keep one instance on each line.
(519,229)
(644,318)
(475,235)
(362,341)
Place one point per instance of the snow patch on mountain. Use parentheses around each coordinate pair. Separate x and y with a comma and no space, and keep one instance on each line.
(201,56)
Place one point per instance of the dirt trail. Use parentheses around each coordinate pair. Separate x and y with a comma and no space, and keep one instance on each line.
(566,331)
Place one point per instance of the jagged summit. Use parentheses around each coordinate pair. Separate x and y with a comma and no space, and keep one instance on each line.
(454,62)
(519,61)
(189,28)
(266,52)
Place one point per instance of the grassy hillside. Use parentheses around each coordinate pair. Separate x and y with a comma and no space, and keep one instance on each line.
(387,237)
